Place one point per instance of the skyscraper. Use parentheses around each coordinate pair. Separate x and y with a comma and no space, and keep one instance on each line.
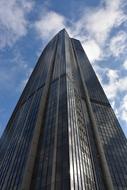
(63,133)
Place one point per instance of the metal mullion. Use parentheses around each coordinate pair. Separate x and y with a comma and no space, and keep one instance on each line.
(50,129)
(11,177)
(17,145)
(75,139)
(78,142)
(57,61)
(113,143)
(119,131)
(43,142)
(10,134)
(70,136)
(99,179)
(75,121)
(50,133)
(87,138)
(22,148)
(81,159)
(104,132)
(104,165)
(47,139)
(77,69)
(84,169)
(5,162)
(40,117)
(80,154)
(73,145)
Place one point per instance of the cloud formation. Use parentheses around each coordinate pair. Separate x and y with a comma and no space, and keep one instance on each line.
(123,109)
(116,84)
(49,24)
(13,22)
(125,65)
(118,44)
(100,21)
(92,28)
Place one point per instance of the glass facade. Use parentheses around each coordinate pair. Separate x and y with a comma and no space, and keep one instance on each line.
(61,141)
(112,138)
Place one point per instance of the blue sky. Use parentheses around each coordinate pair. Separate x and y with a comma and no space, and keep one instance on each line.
(26,26)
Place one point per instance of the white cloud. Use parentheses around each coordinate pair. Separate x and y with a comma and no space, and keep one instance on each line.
(116,84)
(111,87)
(92,28)
(118,44)
(123,109)
(98,22)
(49,24)
(92,50)
(112,75)
(13,22)
(125,64)
(121,113)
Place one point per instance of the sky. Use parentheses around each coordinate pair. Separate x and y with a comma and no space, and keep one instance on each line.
(27,26)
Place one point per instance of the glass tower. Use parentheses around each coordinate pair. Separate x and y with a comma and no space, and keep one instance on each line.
(63,133)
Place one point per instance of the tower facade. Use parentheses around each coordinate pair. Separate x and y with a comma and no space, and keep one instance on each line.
(63,133)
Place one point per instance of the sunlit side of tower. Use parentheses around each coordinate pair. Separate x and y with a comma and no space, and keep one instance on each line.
(63,133)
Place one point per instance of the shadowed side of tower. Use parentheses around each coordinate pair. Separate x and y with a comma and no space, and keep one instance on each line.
(63,133)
